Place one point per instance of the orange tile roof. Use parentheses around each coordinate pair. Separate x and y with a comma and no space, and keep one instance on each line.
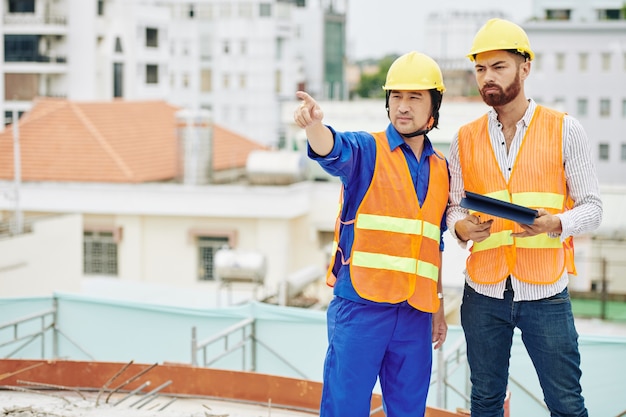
(113,141)
(230,149)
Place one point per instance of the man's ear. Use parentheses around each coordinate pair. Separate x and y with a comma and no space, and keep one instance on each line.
(525,70)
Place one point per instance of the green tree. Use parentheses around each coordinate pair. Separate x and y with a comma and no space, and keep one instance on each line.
(370,85)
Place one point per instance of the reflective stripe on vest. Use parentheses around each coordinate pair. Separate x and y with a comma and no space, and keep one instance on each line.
(395,253)
(396,263)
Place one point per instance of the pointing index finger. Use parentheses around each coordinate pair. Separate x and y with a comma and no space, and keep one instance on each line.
(306,98)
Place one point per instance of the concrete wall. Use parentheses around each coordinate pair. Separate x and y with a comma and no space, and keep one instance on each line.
(43,261)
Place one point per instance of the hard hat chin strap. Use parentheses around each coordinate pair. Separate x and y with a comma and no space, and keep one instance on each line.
(420,132)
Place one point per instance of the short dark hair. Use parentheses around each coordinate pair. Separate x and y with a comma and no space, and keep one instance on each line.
(524,55)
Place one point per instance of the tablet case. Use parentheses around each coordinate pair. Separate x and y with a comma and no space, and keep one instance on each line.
(499,208)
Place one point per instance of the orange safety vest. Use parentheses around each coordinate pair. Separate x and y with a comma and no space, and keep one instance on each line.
(395,254)
(538,181)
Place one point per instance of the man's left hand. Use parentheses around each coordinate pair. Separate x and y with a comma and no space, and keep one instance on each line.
(544,223)
(440,328)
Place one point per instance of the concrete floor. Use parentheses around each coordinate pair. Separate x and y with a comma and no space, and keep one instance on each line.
(72,404)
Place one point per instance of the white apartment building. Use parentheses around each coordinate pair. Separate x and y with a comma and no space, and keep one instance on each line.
(239,59)
(580,68)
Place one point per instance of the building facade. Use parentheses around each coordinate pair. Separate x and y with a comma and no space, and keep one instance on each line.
(237,59)
(580,68)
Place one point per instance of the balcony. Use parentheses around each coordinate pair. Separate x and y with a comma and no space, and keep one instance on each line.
(14,19)
(40,58)
(30,23)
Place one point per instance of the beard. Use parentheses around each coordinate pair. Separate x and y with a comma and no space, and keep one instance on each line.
(503,96)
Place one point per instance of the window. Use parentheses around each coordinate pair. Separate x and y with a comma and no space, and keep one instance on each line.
(280,42)
(559,103)
(623,156)
(118,45)
(186,80)
(538,61)
(8,116)
(225,10)
(226,47)
(152,74)
(605,107)
(278,80)
(245,10)
(560,61)
(558,14)
(207,246)
(152,38)
(606,61)
(242,81)
(603,151)
(118,79)
(205,11)
(581,106)
(583,61)
(243,47)
(265,10)
(21,6)
(100,251)
(100,7)
(226,81)
(609,14)
(624,107)
(22,48)
(205,81)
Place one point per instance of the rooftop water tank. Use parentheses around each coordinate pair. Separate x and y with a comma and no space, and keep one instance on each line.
(239,266)
(277,167)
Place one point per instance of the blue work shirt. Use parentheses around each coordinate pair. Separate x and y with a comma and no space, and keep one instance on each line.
(353,159)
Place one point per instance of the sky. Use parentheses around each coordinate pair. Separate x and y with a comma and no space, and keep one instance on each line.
(376,28)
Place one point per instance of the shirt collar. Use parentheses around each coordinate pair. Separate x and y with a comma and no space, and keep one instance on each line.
(395,140)
(532,105)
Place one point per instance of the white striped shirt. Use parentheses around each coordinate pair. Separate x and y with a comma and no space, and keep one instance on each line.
(582,185)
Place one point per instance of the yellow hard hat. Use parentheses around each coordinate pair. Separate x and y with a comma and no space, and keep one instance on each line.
(414,71)
(500,34)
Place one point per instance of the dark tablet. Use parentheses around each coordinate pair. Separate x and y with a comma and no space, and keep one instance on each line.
(499,208)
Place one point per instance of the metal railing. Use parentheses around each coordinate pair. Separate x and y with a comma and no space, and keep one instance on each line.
(47,323)
(28,338)
(33,19)
(448,363)
(247,330)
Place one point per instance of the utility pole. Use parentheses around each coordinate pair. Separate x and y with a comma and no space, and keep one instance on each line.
(18,225)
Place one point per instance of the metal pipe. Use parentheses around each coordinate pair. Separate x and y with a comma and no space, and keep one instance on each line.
(45,385)
(133,392)
(17,167)
(150,395)
(110,381)
(128,381)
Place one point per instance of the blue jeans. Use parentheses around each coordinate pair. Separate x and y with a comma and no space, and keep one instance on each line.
(550,339)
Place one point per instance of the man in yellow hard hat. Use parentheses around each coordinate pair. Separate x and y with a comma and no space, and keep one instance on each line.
(517,274)
(387,311)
